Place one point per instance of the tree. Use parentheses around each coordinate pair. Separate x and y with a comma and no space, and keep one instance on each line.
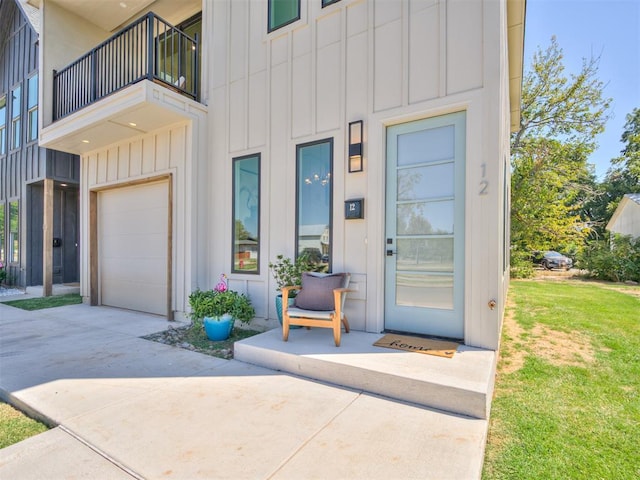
(547,195)
(551,179)
(623,176)
(554,106)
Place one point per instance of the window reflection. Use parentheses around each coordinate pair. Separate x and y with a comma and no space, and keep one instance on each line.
(246,214)
(314,200)
(14,238)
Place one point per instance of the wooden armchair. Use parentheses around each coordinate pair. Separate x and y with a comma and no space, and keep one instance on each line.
(319,303)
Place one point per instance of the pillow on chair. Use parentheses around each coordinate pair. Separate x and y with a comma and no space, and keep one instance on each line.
(317,291)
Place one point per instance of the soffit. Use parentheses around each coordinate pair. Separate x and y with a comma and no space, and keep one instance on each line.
(111,15)
(515,34)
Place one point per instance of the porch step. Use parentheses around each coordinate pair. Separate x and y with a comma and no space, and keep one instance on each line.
(462,384)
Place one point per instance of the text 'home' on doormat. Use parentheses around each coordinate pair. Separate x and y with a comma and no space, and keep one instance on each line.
(441,348)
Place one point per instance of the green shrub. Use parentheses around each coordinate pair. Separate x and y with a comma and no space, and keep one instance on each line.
(521,264)
(617,260)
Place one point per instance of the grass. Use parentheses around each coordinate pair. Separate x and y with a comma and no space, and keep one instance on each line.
(46,302)
(15,426)
(567,397)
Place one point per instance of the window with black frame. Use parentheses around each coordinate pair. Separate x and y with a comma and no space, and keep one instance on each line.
(16,112)
(32,108)
(14,235)
(2,227)
(3,125)
(282,12)
(246,214)
(314,201)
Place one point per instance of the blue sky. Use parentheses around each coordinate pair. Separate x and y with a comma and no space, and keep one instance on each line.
(609,28)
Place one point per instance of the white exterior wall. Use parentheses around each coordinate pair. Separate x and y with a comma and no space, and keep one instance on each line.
(59,49)
(177,151)
(385,63)
(626,219)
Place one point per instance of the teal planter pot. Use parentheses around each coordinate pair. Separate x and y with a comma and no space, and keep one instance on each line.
(218,328)
(279,308)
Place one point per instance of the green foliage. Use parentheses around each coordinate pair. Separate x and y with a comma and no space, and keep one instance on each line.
(546,196)
(521,264)
(3,270)
(551,180)
(577,418)
(211,303)
(553,105)
(40,303)
(289,273)
(617,260)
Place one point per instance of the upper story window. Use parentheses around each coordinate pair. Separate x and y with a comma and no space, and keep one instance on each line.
(32,108)
(246,214)
(328,2)
(314,192)
(16,111)
(3,125)
(282,12)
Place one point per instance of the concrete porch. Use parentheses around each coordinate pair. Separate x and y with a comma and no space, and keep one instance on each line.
(462,384)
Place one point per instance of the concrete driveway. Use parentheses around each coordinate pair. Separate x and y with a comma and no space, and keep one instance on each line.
(131,408)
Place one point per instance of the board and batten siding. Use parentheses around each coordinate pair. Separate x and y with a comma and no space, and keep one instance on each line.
(383,62)
(29,163)
(164,154)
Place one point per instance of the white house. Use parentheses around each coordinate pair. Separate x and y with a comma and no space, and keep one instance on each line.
(199,119)
(626,219)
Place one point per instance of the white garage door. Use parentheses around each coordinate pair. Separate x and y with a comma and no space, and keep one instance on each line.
(132,246)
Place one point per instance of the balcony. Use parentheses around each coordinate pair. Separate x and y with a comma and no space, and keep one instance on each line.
(149,49)
(143,78)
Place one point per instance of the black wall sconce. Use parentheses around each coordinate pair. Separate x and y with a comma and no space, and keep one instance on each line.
(355,146)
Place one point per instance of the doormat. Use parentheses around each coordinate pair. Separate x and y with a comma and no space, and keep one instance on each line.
(441,348)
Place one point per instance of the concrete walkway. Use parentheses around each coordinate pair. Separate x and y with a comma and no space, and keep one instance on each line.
(131,408)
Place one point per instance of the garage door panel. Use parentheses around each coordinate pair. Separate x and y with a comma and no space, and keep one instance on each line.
(155,221)
(143,270)
(133,247)
(147,298)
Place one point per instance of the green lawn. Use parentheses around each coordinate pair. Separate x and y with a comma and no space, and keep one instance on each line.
(46,302)
(15,426)
(567,396)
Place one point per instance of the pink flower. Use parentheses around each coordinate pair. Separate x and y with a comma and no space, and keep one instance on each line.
(221,286)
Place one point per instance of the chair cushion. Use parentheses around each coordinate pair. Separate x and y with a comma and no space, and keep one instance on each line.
(317,291)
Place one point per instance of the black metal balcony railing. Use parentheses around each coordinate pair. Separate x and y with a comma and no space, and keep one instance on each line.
(149,48)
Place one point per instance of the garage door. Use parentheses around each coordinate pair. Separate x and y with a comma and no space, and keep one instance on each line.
(132,246)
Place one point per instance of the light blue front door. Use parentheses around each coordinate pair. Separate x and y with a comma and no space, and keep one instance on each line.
(424,275)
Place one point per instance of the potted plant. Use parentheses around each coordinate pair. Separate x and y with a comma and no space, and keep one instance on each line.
(218,310)
(287,273)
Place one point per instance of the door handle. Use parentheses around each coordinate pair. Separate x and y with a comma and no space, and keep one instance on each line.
(390,253)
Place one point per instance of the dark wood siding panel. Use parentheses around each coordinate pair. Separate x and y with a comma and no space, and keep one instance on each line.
(63,166)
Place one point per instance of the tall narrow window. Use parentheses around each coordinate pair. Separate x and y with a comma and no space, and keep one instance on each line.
(314,194)
(32,108)
(16,111)
(283,12)
(246,214)
(14,236)
(2,227)
(3,125)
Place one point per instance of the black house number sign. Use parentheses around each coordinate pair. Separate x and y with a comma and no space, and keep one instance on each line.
(354,209)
